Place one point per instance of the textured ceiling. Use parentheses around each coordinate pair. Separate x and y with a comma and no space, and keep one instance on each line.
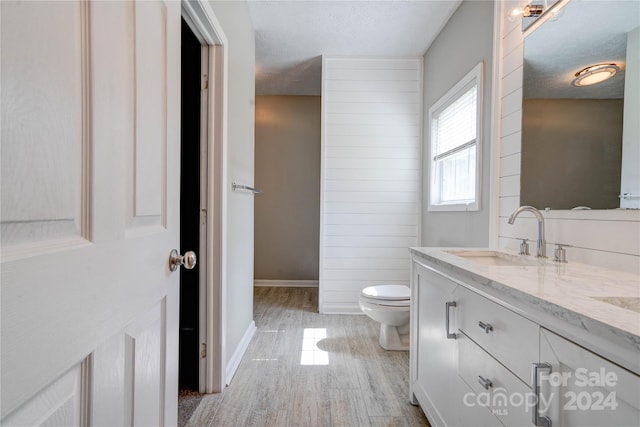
(292,36)
(584,33)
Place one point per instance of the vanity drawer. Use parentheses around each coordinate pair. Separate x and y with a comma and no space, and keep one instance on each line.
(504,395)
(507,336)
(470,414)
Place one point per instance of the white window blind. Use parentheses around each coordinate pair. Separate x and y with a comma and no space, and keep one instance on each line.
(455,126)
(454,141)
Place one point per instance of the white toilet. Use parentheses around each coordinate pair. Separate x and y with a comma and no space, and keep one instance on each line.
(389,305)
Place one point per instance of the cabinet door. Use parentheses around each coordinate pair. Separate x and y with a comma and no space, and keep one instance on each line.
(583,389)
(434,356)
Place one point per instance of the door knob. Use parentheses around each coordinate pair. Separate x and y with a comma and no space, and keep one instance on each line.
(188,260)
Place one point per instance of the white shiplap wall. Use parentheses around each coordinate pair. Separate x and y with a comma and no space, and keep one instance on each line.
(370,175)
(610,238)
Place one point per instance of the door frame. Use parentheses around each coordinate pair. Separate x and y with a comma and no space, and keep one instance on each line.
(204,24)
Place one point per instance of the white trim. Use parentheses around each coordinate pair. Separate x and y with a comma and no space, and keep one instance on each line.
(341,308)
(286,283)
(216,222)
(477,75)
(421,186)
(203,22)
(204,237)
(494,134)
(321,240)
(236,358)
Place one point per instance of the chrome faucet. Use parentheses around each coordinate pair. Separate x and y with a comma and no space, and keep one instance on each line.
(541,245)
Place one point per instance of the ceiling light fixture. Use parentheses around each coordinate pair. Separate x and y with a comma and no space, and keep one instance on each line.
(595,74)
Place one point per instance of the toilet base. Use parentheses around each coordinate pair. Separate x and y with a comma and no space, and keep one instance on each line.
(394,338)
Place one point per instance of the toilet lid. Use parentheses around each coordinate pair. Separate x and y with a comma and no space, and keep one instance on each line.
(387,292)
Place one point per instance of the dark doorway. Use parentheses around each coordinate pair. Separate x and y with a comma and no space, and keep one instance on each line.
(190,208)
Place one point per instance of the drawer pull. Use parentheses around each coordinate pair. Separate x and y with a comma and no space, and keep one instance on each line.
(449,304)
(486,326)
(536,419)
(485,382)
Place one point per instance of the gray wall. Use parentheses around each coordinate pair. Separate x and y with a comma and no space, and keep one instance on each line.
(466,40)
(571,153)
(238,28)
(287,213)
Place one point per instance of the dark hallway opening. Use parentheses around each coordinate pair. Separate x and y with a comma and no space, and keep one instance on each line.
(190,208)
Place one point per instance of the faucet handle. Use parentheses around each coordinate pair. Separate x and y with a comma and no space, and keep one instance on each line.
(524,247)
(560,255)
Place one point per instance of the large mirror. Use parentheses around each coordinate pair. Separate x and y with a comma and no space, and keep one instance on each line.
(581,143)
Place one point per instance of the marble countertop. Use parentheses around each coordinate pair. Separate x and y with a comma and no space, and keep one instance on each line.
(599,301)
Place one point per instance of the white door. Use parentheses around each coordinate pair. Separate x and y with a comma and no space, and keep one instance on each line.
(89,212)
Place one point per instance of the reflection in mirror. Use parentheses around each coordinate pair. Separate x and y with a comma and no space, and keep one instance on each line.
(581,144)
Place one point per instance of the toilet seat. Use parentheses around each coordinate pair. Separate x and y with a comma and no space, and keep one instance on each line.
(387,295)
(384,303)
(390,306)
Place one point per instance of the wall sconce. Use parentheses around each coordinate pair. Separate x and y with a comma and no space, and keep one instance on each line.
(595,74)
(532,10)
(529,11)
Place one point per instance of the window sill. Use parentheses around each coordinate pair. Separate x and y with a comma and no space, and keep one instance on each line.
(472,207)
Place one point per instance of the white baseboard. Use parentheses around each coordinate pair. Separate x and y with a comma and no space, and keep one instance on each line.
(236,358)
(286,283)
(340,308)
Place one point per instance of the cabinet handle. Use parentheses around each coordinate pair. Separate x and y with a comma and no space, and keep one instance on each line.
(536,419)
(485,382)
(448,305)
(486,326)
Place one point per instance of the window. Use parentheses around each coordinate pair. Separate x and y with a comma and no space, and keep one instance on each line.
(455,127)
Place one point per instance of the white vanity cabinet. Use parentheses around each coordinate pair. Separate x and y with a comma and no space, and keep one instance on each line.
(457,381)
(473,352)
(583,389)
(434,353)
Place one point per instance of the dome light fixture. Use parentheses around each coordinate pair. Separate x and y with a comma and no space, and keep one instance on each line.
(595,74)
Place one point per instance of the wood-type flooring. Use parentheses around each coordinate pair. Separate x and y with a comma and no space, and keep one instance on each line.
(307,369)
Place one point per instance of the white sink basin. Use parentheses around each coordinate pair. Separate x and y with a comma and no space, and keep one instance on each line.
(490,257)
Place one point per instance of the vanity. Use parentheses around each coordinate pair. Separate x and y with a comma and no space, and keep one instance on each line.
(499,339)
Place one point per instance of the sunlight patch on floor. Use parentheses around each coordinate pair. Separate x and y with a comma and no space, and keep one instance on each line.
(311,354)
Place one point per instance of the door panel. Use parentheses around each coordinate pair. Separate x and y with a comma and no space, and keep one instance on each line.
(144,368)
(129,372)
(111,301)
(43,139)
(60,404)
(151,110)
